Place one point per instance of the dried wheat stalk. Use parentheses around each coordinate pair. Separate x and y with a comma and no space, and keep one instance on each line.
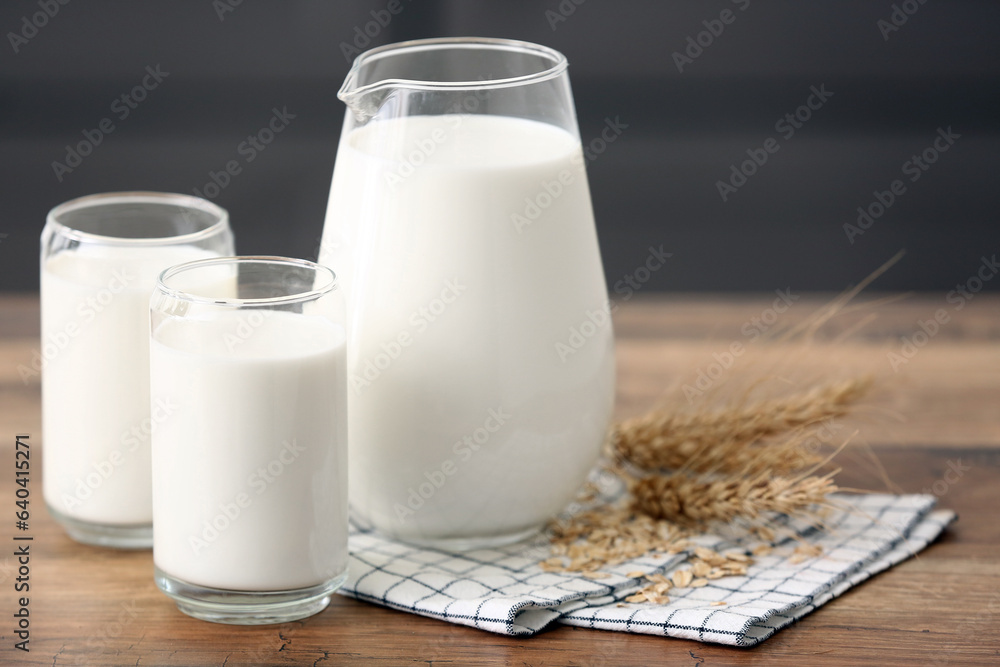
(730,439)
(688,499)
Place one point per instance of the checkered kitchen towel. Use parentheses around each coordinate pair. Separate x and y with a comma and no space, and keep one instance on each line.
(503,590)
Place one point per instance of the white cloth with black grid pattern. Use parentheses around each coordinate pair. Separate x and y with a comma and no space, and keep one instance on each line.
(504,590)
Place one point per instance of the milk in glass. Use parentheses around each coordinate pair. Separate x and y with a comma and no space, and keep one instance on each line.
(249,482)
(97,420)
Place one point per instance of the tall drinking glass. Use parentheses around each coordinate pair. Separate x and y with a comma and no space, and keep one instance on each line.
(100,257)
(250,477)
(481,362)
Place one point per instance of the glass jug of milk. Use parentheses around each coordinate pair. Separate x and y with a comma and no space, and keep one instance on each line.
(480,346)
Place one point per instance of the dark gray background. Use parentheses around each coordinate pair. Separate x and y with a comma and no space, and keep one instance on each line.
(655,185)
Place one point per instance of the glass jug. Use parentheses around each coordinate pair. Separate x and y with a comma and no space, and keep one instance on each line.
(480,347)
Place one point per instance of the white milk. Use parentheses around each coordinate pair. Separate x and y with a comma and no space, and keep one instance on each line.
(249,481)
(467,250)
(96,418)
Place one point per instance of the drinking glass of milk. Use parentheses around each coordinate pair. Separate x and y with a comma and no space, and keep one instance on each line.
(100,257)
(250,476)
(480,355)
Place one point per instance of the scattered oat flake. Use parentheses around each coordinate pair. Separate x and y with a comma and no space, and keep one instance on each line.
(638,597)
(762,550)
(804,552)
(718,603)
(698,583)
(809,549)
(765,533)
(681,578)
(635,573)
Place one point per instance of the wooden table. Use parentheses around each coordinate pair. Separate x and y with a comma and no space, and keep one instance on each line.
(96,606)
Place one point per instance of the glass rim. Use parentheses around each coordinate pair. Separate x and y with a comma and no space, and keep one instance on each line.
(132,197)
(557,64)
(328,286)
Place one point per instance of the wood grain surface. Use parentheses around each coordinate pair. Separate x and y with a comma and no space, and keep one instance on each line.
(93,606)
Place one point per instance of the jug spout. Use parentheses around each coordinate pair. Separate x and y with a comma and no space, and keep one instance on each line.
(443,72)
(364,101)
